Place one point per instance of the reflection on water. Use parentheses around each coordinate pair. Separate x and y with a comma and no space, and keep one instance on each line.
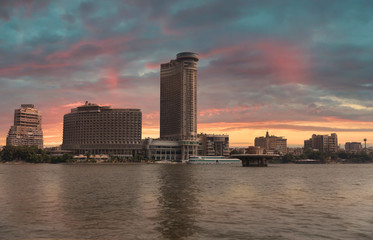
(178,202)
(41,201)
(24,191)
(97,195)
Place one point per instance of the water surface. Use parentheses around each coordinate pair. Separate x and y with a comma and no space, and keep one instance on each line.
(158,201)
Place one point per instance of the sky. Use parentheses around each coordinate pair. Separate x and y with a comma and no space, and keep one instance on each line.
(292,67)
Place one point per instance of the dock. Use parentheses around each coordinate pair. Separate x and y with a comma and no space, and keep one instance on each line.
(254,160)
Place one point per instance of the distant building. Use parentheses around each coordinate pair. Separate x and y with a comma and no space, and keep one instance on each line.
(26,130)
(295,151)
(102,130)
(178,105)
(271,144)
(158,149)
(213,145)
(237,150)
(322,143)
(56,151)
(254,150)
(308,144)
(353,147)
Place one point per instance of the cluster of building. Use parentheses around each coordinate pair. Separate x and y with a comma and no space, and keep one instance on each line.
(98,130)
(322,143)
(101,130)
(271,144)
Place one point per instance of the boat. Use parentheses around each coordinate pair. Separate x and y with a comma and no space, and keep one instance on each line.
(212,160)
(308,161)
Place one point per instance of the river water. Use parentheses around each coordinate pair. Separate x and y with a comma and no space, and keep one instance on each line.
(160,201)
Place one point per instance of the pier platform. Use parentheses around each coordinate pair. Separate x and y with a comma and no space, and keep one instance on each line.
(254,160)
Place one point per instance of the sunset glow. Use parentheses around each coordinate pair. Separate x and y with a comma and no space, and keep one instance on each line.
(293,71)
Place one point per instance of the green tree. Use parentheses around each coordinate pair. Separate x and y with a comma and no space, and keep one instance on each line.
(287,158)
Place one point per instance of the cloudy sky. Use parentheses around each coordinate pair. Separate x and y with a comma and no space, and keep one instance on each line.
(294,67)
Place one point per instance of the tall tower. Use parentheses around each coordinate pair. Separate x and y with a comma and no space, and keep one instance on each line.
(26,130)
(178,118)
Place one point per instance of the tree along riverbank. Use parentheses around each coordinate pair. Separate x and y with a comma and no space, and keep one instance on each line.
(31,154)
(339,157)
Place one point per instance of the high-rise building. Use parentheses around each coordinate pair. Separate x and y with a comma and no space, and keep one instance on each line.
(272,144)
(213,145)
(26,130)
(102,130)
(323,143)
(178,115)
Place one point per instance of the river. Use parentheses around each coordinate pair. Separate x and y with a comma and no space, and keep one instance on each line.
(160,201)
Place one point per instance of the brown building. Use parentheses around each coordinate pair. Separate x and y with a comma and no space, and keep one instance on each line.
(272,144)
(322,143)
(353,147)
(178,113)
(102,130)
(213,145)
(26,130)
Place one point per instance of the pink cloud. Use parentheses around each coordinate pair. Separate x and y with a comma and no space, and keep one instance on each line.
(223,50)
(27,68)
(152,65)
(91,48)
(72,105)
(284,61)
(289,63)
(111,77)
(337,119)
(218,111)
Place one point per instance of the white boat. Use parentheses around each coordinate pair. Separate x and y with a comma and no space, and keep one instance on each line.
(212,160)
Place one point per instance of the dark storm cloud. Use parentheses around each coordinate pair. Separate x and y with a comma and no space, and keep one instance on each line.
(8,7)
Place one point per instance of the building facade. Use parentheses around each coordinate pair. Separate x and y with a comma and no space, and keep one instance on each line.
(102,130)
(26,130)
(272,144)
(213,145)
(178,103)
(353,147)
(322,143)
(162,150)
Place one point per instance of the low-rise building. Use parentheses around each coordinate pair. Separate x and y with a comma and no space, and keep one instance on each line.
(254,150)
(322,143)
(272,144)
(353,147)
(213,144)
(295,151)
(159,149)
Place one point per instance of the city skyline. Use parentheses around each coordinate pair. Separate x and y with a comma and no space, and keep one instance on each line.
(293,67)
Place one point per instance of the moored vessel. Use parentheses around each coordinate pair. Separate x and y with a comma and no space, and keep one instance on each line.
(212,160)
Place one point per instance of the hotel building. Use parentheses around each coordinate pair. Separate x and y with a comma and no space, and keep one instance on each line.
(102,130)
(26,130)
(178,106)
